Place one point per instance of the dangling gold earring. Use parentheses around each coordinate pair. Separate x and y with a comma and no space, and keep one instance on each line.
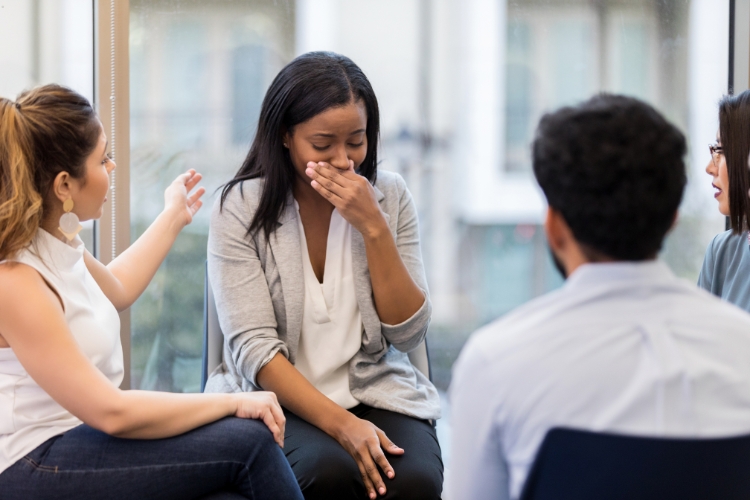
(70,226)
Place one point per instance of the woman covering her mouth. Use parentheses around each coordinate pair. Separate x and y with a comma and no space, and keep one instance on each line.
(314,258)
(727,258)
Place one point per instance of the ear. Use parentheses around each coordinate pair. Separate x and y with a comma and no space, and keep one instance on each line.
(674,220)
(62,186)
(286,138)
(555,229)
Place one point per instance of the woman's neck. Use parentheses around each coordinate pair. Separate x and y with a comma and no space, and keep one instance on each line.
(51,223)
(306,196)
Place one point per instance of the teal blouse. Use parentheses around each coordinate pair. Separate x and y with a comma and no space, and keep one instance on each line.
(726,268)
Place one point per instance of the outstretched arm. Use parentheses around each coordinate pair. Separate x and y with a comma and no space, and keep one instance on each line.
(126,277)
(33,323)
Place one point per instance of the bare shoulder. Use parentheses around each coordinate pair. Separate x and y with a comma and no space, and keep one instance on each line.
(20,283)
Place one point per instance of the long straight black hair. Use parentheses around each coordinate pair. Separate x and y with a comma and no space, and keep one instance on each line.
(734,132)
(307,86)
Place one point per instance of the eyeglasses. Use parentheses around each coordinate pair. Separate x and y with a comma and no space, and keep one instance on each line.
(715,151)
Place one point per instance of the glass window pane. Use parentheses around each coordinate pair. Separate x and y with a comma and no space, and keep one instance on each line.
(461,86)
(198,73)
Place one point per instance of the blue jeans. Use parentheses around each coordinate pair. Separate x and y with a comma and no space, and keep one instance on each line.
(229,459)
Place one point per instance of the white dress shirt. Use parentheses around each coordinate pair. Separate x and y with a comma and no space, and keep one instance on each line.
(331,321)
(621,347)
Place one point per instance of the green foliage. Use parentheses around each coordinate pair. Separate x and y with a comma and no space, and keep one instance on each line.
(168,320)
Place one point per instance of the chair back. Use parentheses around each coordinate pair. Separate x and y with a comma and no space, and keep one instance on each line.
(213,340)
(581,465)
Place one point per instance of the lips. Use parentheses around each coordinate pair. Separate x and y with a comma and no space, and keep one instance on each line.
(718,190)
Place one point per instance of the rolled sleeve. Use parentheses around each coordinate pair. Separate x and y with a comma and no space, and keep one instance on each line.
(408,334)
(243,300)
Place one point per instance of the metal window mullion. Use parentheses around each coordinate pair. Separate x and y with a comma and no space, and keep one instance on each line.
(113,105)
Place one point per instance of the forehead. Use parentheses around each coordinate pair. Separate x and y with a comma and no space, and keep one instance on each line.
(341,119)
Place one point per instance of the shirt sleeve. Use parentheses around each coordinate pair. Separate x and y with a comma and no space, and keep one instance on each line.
(409,334)
(477,467)
(243,300)
(706,276)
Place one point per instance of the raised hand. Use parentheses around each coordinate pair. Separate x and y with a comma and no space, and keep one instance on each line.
(351,194)
(179,201)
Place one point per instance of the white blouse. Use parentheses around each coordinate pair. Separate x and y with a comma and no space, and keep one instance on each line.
(28,415)
(331,322)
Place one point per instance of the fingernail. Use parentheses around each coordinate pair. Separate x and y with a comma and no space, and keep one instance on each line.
(382,491)
(372,494)
(390,474)
(309,171)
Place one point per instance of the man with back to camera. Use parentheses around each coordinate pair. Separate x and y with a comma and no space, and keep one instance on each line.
(624,346)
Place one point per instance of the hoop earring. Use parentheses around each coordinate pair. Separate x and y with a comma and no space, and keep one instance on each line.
(70,226)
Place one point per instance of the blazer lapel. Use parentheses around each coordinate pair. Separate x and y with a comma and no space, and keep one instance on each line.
(372,339)
(285,245)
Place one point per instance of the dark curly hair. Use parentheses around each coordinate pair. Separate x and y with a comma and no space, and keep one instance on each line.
(613,168)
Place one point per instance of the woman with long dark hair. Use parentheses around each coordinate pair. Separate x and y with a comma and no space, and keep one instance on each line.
(315,262)
(727,261)
(66,429)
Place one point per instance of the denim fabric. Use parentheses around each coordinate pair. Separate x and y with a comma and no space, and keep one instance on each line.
(228,459)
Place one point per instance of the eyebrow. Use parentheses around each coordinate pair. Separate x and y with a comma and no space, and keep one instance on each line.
(328,136)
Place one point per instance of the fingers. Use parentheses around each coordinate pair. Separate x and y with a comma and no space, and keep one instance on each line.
(371,491)
(379,457)
(196,196)
(195,207)
(327,176)
(270,421)
(278,414)
(371,469)
(189,179)
(388,445)
(193,181)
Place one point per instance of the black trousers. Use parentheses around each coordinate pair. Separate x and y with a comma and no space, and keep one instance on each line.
(324,470)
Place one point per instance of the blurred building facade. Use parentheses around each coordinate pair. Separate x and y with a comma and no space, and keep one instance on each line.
(461,85)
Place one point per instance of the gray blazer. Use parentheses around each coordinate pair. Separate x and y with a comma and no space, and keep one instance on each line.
(259,290)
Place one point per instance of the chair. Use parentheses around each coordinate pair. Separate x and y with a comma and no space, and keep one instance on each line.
(582,465)
(213,340)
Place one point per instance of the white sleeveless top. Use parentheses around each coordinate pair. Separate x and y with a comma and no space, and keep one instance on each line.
(28,415)
(331,321)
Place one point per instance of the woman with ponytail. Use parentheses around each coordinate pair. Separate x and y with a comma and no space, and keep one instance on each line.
(66,429)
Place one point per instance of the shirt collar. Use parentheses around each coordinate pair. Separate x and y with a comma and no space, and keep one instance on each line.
(61,255)
(619,272)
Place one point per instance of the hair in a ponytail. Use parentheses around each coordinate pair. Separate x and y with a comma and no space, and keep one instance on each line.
(47,130)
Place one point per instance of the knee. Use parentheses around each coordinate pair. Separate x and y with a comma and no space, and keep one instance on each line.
(331,476)
(241,439)
(417,484)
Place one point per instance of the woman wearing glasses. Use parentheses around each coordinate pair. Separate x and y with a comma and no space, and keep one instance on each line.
(728,255)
